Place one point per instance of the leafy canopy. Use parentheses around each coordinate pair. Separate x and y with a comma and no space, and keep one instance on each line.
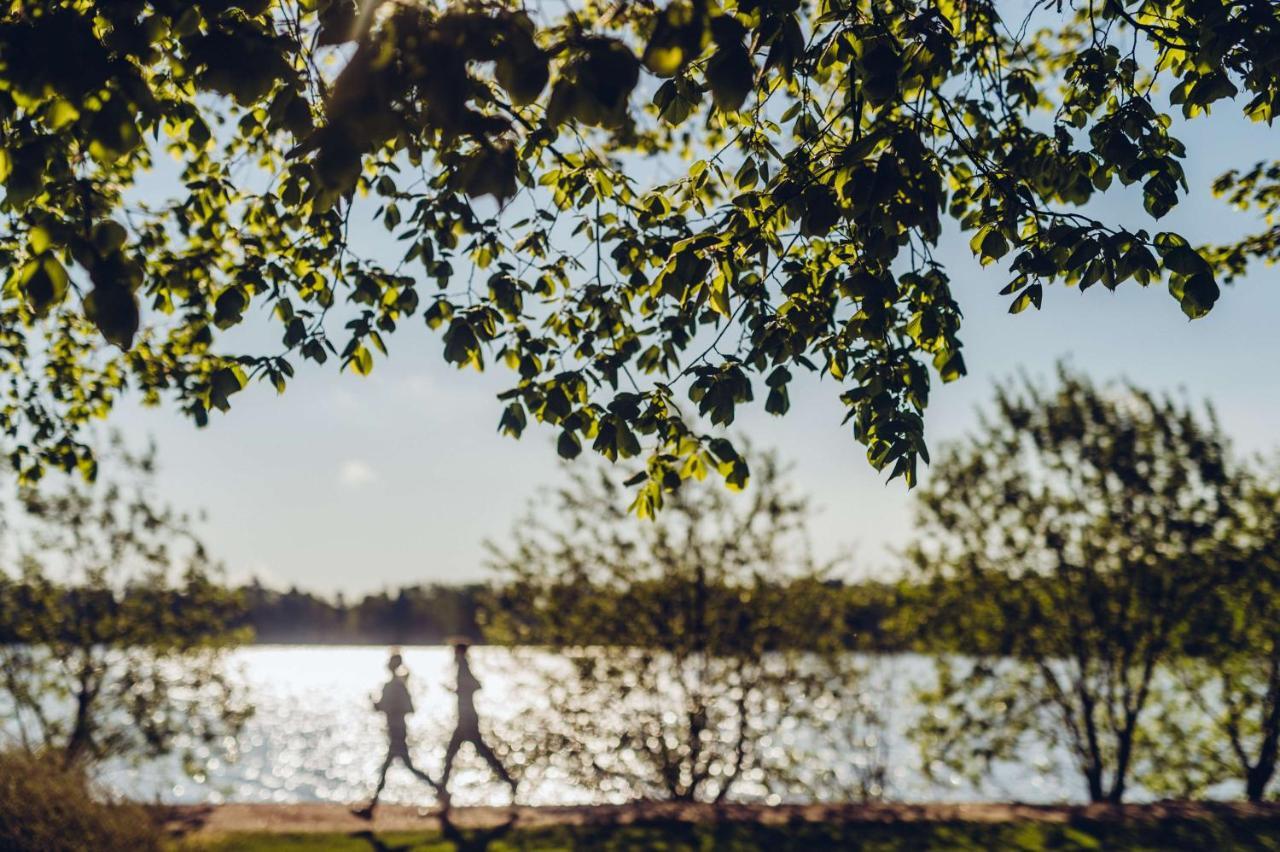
(627,204)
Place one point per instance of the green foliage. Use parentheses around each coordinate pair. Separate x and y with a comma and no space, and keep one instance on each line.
(1077,538)
(47,806)
(709,634)
(115,630)
(648,241)
(1257,189)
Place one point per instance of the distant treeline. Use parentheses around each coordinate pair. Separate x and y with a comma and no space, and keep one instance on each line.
(428,614)
(414,615)
(877,616)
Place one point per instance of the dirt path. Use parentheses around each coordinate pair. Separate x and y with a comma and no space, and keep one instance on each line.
(205,820)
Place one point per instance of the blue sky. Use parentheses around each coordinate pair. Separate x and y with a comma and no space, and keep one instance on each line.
(355,484)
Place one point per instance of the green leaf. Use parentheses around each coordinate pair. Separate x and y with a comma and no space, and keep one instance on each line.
(821,211)
(1030,296)
(952,367)
(224,382)
(731,76)
(1185,260)
(114,310)
(39,239)
(513,420)
(44,281)
(678,38)
(989,244)
(109,237)
(361,361)
(229,307)
(568,445)
(1199,293)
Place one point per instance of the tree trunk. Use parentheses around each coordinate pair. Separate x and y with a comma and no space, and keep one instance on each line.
(1259,774)
(1093,775)
(1258,777)
(1124,754)
(80,739)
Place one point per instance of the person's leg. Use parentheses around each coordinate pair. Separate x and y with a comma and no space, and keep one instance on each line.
(455,743)
(422,776)
(482,749)
(382,778)
(367,811)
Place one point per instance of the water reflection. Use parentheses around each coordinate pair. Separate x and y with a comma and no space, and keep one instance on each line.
(314,737)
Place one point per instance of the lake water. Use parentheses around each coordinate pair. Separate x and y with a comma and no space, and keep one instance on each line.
(315,736)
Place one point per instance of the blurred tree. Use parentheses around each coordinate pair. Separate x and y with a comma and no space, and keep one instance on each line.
(1074,537)
(1229,726)
(118,629)
(699,652)
(692,199)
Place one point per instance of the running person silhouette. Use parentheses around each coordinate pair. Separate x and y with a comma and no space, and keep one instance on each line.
(468,728)
(395,704)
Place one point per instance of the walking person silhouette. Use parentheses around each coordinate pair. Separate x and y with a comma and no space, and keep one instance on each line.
(468,727)
(395,704)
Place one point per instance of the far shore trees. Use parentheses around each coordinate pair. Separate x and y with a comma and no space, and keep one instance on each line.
(116,625)
(694,647)
(1078,533)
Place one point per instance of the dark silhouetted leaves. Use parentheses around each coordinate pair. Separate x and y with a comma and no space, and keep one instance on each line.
(491,170)
(879,65)
(1032,295)
(114,310)
(821,210)
(568,445)
(44,281)
(683,248)
(337,21)
(679,35)
(238,60)
(595,84)
(522,67)
(224,382)
(730,75)
(1196,294)
(229,307)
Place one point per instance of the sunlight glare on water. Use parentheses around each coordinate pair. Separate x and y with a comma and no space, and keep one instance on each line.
(316,737)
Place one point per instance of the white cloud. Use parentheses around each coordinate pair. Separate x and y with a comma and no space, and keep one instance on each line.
(355,473)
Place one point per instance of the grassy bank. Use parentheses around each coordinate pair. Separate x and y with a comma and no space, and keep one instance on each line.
(1222,831)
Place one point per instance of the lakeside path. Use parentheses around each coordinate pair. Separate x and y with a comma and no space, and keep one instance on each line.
(325,818)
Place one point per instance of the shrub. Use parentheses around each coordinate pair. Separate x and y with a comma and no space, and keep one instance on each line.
(45,806)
